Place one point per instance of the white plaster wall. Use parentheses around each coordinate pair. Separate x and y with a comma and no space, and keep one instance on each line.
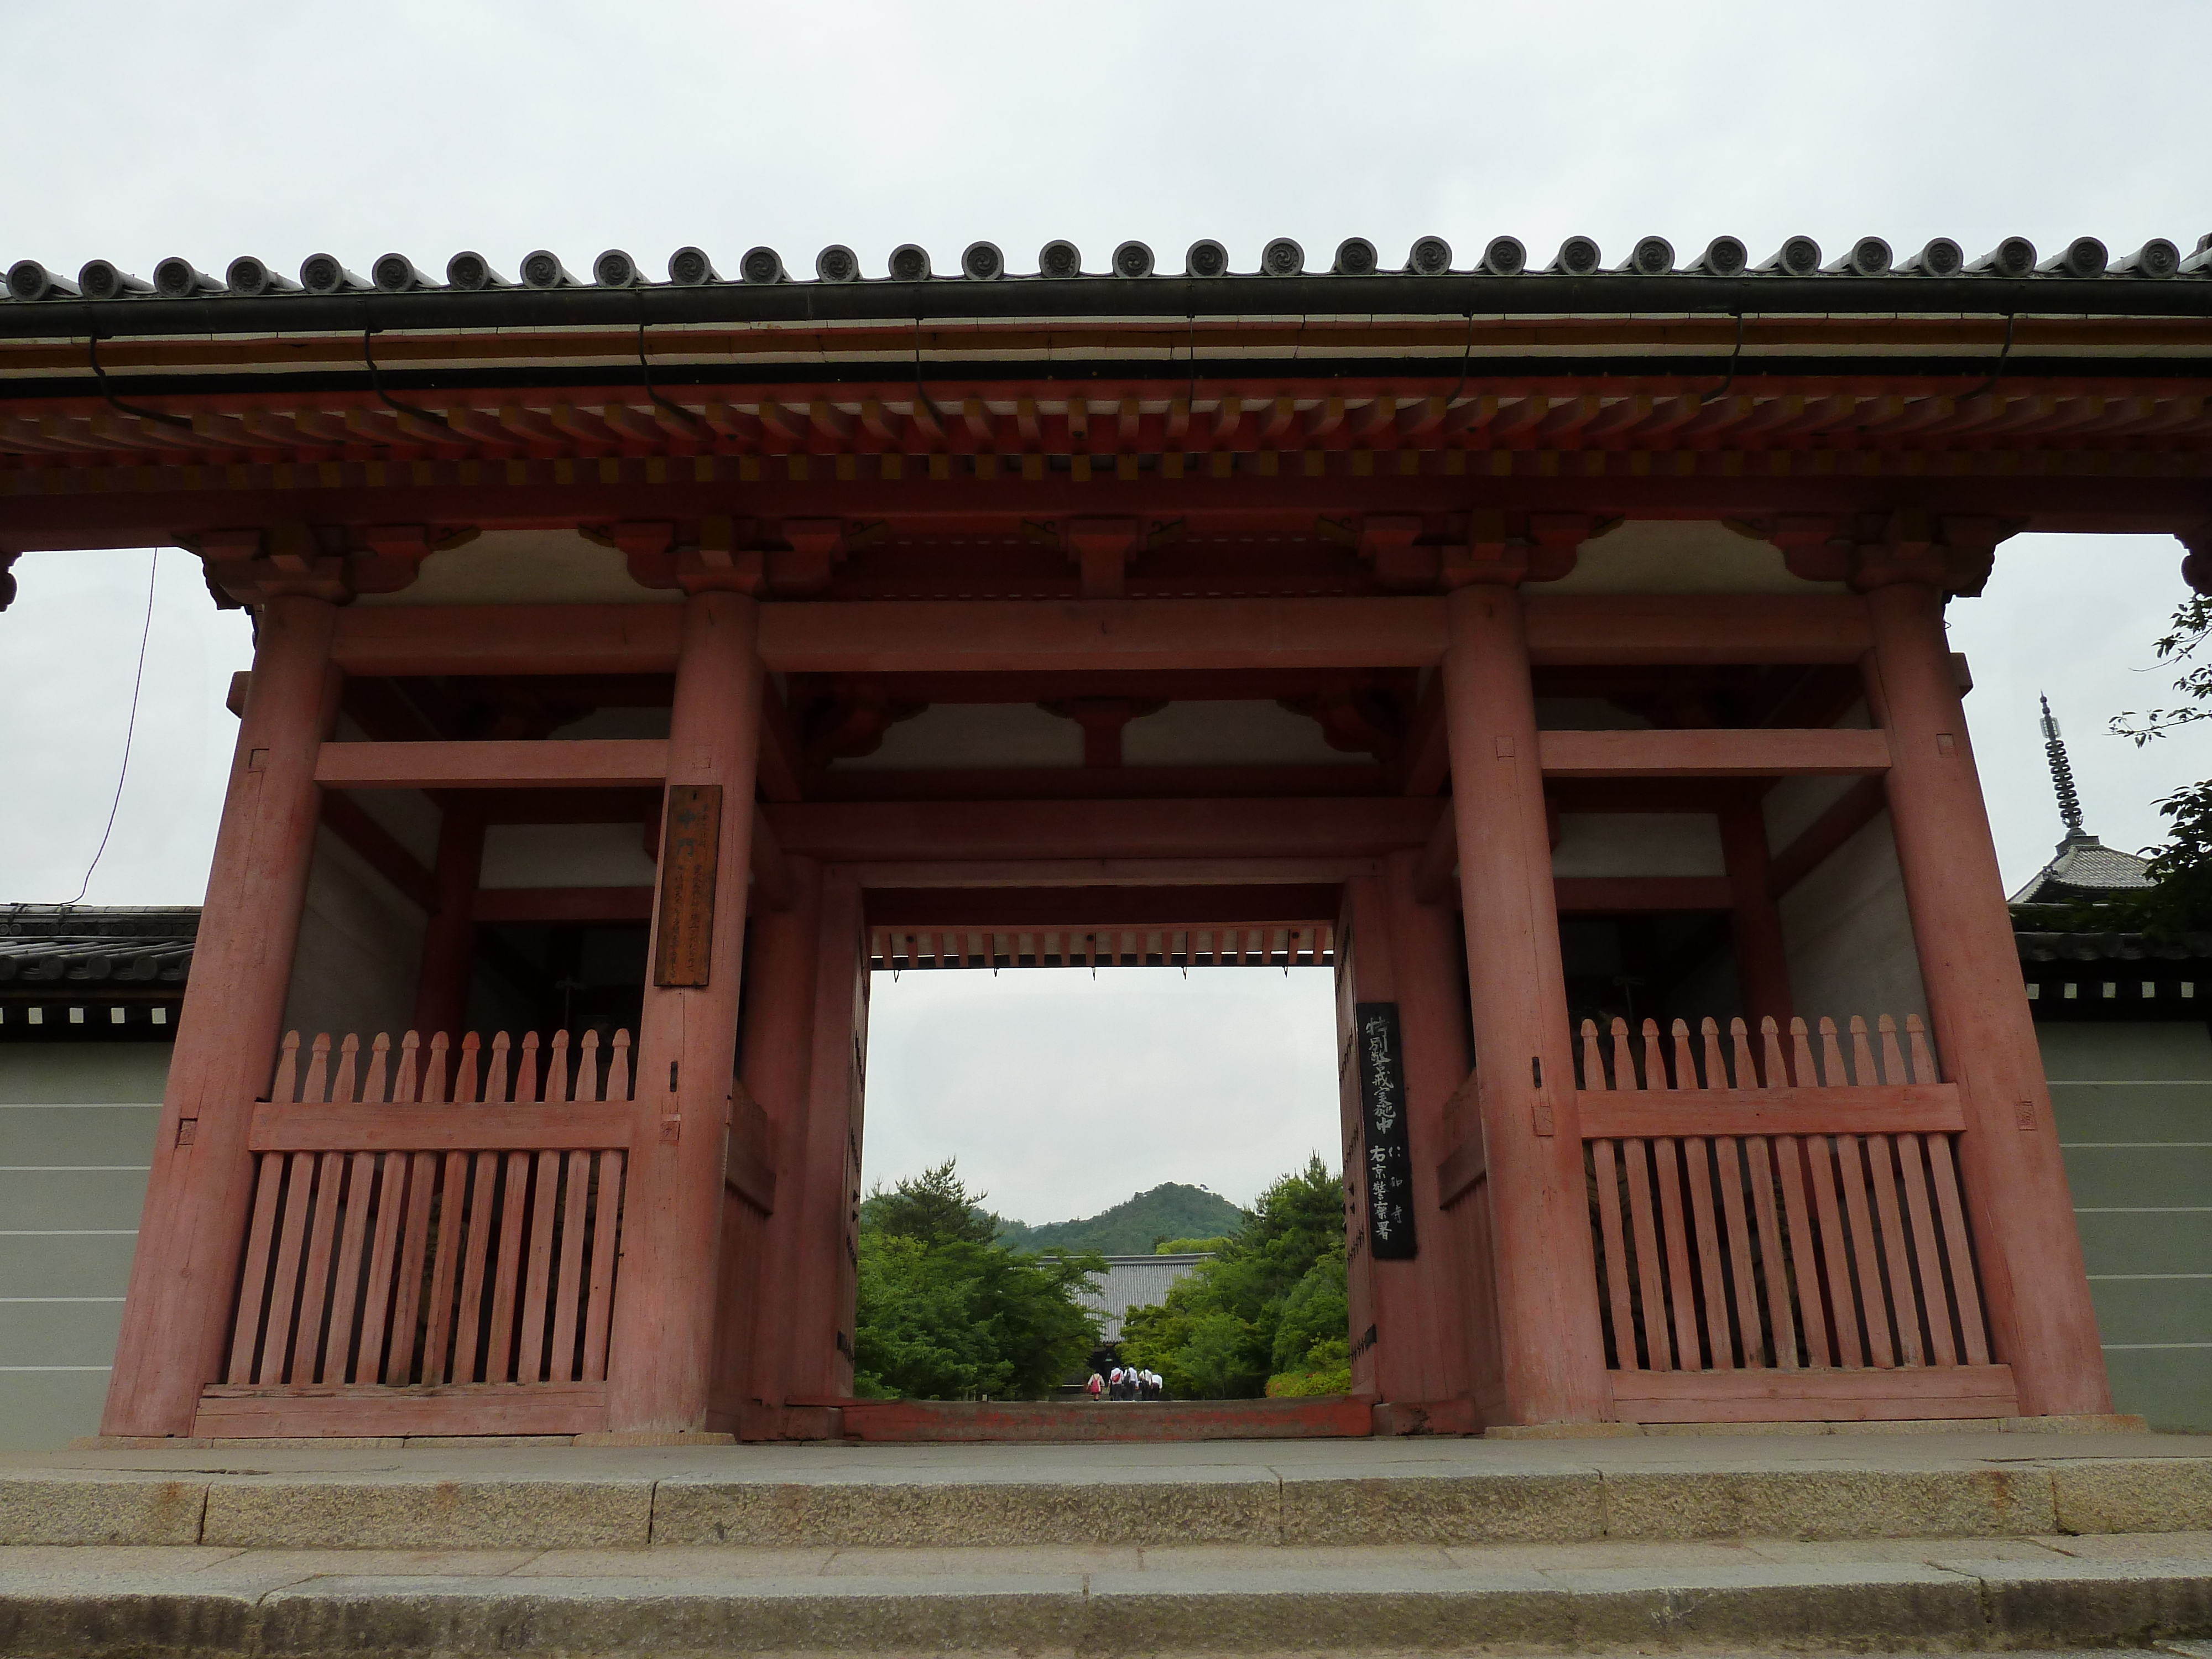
(1849,936)
(360,950)
(1638,844)
(408,815)
(526,567)
(1672,555)
(566,855)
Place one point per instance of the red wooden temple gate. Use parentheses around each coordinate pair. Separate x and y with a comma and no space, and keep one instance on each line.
(1353,618)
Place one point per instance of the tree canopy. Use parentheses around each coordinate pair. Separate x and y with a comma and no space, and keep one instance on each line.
(947,1313)
(2179,899)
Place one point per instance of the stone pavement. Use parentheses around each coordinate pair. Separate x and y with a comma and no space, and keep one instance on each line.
(1746,1543)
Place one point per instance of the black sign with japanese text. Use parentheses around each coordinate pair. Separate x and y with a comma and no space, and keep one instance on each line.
(1388,1175)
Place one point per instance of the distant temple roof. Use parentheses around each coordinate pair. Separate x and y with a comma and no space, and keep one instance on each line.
(1136,1281)
(2083,868)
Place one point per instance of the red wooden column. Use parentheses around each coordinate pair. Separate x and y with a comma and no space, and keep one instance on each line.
(441,989)
(2033,1284)
(778,1060)
(1762,960)
(1551,1355)
(176,1319)
(661,1352)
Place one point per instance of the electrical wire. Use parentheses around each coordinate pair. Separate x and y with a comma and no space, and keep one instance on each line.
(92,355)
(376,383)
(645,368)
(1734,357)
(130,733)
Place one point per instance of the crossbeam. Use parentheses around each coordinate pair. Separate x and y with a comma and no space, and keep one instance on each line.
(1708,753)
(1702,629)
(579,763)
(941,831)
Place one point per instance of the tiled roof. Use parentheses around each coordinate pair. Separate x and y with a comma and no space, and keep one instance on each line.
(2085,868)
(1869,260)
(2111,947)
(53,944)
(1136,1281)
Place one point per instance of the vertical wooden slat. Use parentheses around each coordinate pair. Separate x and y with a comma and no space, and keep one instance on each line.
(452,1203)
(1873,1295)
(496,1072)
(1697,1153)
(603,1232)
(404,1080)
(1923,1063)
(557,1069)
(1893,1063)
(1740,1040)
(1790,1164)
(1624,1066)
(618,1068)
(537,1286)
(476,1257)
(1862,1054)
(1881,1154)
(1965,1294)
(414,1257)
(372,1090)
(1593,1066)
(1831,1057)
(587,1068)
(569,1296)
(435,1075)
(525,1079)
(260,1237)
(367,1364)
(345,1287)
(1681,1299)
(1835,1250)
(1729,1159)
(319,1069)
(1646,1245)
(314,1292)
(465,1073)
(284,1295)
(284,1089)
(1803,1072)
(1616,1254)
(1912,1151)
(507,1282)
(1781,1326)
(1775,1073)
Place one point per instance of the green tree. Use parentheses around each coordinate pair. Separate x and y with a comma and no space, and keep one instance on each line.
(944,1313)
(2180,900)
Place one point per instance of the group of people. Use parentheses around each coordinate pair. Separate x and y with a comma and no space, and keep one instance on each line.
(1130,1384)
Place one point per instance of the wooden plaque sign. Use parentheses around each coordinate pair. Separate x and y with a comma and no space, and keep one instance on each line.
(1388,1175)
(690,839)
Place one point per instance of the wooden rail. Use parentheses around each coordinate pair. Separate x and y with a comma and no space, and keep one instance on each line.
(1795,1216)
(421,1230)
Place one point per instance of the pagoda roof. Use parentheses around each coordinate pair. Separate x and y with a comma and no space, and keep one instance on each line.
(2084,868)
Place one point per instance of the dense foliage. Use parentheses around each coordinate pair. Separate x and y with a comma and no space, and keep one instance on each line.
(1134,1227)
(945,1312)
(1269,1313)
(2181,900)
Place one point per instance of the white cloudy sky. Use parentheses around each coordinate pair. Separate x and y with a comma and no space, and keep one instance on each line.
(223,129)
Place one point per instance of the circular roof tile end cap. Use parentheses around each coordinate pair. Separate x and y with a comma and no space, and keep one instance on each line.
(761,266)
(179,278)
(1653,256)
(101,279)
(1724,256)
(837,264)
(1355,256)
(1206,257)
(471,273)
(983,262)
(1504,256)
(909,262)
(252,278)
(2014,256)
(29,280)
(543,269)
(1942,257)
(689,267)
(394,273)
(1282,258)
(1578,256)
(1059,260)
(2156,258)
(1431,256)
(2085,257)
(1132,260)
(325,273)
(1870,256)
(616,269)
(1798,256)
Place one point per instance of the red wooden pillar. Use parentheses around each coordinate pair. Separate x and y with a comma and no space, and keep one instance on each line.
(2034,1285)
(818,1365)
(1762,960)
(660,1353)
(1551,1356)
(441,989)
(176,1319)
(778,1060)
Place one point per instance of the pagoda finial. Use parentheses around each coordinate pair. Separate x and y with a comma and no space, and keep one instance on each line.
(2062,774)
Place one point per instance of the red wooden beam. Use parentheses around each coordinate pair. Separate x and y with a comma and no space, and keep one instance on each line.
(1713,753)
(936,831)
(995,909)
(574,764)
(872,783)
(507,639)
(564,904)
(1586,894)
(1850,813)
(1703,628)
(1093,873)
(346,819)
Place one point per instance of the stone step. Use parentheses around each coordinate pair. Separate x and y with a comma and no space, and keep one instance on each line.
(1957,1594)
(1441,1492)
(1054,1422)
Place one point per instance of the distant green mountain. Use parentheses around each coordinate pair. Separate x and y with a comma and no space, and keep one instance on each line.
(1169,1210)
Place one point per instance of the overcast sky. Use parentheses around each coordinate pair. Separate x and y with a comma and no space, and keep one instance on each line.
(224,129)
